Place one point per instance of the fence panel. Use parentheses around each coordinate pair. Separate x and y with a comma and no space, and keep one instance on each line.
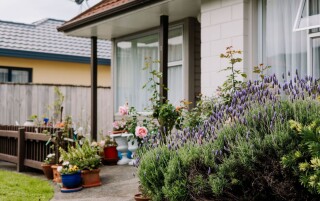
(25,146)
(19,101)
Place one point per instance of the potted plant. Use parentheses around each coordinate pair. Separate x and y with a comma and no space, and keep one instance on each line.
(46,166)
(70,175)
(59,139)
(144,195)
(119,126)
(110,153)
(86,158)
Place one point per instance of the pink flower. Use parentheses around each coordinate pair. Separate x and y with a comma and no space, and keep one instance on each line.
(115,125)
(123,110)
(141,131)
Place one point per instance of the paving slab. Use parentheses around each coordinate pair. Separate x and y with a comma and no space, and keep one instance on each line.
(118,184)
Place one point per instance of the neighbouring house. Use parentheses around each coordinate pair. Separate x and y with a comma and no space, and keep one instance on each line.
(281,33)
(38,53)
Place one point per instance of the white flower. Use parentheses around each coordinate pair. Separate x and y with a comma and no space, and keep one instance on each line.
(65,163)
(59,168)
(94,144)
(50,155)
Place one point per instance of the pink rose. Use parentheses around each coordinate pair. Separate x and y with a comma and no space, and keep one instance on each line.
(141,132)
(123,110)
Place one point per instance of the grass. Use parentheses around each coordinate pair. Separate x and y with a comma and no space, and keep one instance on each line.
(20,187)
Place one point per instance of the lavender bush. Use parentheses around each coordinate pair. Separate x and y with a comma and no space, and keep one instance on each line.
(231,146)
(235,153)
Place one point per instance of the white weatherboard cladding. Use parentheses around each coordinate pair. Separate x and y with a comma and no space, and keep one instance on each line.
(223,23)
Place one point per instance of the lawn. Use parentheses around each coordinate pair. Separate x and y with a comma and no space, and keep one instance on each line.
(16,187)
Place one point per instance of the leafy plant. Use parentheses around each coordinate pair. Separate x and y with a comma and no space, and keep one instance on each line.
(50,159)
(234,79)
(68,168)
(85,157)
(163,112)
(260,70)
(304,160)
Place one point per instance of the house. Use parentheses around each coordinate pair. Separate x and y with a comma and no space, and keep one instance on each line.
(37,53)
(189,35)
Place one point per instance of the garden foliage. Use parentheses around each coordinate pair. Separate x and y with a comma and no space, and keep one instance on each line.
(246,149)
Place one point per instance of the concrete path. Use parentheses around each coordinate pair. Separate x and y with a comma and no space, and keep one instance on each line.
(118,184)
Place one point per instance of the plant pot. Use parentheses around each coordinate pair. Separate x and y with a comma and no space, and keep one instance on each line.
(122,141)
(56,174)
(139,197)
(132,147)
(111,155)
(71,180)
(47,170)
(119,132)
(90,178)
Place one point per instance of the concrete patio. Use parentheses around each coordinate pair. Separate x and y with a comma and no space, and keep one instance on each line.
(118,184)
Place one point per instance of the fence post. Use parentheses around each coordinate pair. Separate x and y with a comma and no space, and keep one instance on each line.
(21,149)
(58,143)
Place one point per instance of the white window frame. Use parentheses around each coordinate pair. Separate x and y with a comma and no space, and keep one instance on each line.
(184,62)
(298,19)
(310,52)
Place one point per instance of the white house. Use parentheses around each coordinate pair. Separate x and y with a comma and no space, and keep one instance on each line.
(281,33)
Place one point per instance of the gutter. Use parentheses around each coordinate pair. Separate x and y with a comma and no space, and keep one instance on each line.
(125,8)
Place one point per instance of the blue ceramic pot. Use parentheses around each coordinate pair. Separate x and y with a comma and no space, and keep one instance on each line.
(129,153)
(71,180)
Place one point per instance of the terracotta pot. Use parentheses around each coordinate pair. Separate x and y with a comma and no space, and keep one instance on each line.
(118,132)
(47,170)
(90,178)
(56,174)
(139,197)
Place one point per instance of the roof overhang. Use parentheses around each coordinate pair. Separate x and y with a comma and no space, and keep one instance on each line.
(128,19)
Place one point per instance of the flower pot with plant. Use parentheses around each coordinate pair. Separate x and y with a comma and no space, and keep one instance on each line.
(143,195)
(86,158)
(70,175)
(110,153)
(46,166)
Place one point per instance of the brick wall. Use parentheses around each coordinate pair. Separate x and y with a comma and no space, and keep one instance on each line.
(223,23)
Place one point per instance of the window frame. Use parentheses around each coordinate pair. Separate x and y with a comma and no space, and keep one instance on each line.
(10,69)
(298,19)
(310,37)
(262,8)
(187,63)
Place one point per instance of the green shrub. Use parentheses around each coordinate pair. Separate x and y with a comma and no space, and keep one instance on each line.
(242,163)
(304,159)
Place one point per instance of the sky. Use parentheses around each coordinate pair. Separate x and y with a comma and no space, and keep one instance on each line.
(28,11)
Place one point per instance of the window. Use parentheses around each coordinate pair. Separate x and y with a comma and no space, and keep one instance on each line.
(308,15)
(282,48)
(130,61)
(17,75)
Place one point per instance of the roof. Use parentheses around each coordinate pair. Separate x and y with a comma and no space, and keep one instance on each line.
(104,9)
(42,37)
(100,7)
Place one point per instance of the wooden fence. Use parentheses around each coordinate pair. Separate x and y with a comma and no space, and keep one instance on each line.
(26,146)
(19,101)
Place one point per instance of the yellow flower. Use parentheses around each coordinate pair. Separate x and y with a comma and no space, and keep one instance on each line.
(303,166)
(295,126)
(297,154)
(315,162)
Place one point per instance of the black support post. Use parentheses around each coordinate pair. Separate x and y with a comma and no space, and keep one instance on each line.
(164,32)
(21,150)
(94,85)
